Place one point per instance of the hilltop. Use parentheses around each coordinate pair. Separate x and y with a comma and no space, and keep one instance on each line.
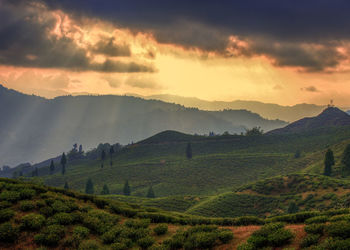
(34,128)
(330,117)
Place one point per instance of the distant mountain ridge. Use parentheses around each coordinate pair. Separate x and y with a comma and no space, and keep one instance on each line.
(267,110)
(330,117)
(33,128)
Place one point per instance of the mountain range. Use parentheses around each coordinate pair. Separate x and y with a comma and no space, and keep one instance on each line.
(33,128)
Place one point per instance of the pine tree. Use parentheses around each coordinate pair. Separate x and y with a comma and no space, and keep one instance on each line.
(66,185)
(105,189)
(89,188)
(103,156)
(189,151)
(150,193)
(346,157)
(126,189)
(292,208)
(63,163)
(328,162)
(36,172)
(52,167)
(111,152)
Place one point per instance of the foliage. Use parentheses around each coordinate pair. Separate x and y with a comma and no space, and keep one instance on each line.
(32,221)
(161,229)
(8,233)
(105,189)
(126,189)
(150,193)
(50,235)
(89,188)
(26,206)
(6,214)
(328,162)
(346,157)
(189,151)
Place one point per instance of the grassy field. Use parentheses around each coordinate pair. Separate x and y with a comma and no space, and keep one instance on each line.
(219,163)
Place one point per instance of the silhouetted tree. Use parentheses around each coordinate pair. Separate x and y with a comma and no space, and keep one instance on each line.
(189,151)
(52,167)
(14,174)
(111,152)
(292,208)
(346,157)
(35,172)
(63,163)
(150,193)
(328,162)
(66,185)
(80,149)
(105,189)
(255,131)
(21,173)
(103,157)
(89,188)
(297,154)
(126,189)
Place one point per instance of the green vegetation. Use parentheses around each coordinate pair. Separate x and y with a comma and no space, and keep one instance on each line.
(328,162)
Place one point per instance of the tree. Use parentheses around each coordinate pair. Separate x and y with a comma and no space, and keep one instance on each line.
(346,157)
(297,154)
(66,185)
(52,167)
(63,163)
(255,131)
(292,208)
(81,149)
(328,162)
(35,172)
(150,193)
(103,157)
(189,151)
(111,152)
(126,189)
(105,189)
(89,188)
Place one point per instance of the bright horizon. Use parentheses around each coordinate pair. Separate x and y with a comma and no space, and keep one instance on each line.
(52,49)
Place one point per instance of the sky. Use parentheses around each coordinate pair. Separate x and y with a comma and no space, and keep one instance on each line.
(283,52)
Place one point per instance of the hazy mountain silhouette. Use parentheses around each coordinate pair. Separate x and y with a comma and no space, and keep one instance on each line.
(34,128)
(267,110)
(330,117)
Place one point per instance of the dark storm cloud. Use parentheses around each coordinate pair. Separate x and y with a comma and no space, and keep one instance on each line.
(107,47)
(25,41)
(208,24)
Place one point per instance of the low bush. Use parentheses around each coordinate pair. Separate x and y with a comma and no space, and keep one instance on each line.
(335,243)
(119,246)
(8,233)
(46,211)
(59,206)
(317,219)
(111,235)
(32,221)
(309,240)
(81,232)
(225,236)
(6,214)
(137,223)
(50,235)
(99,221)
(63,218)
(26,206)
(314,229)
(26,193)
(89,245)
(161,229)
(10,196)
(339,229)
(5,204)
(146,242)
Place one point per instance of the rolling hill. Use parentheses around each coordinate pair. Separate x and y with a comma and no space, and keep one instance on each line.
(33,128)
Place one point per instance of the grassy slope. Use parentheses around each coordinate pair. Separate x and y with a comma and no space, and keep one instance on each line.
(219,163)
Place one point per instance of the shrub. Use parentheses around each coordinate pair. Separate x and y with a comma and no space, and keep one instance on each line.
(309,240)
(119,246)
(314,229)
(46,211)
(81,232)
(146,242)
(248,220)
(225,236)
(317,219)
(339,229)
(63,218)
(134,234)
(8,233)
(137,223)
(112,234)
(100,221)
(335,243)
(32,221)
(26,206)
(280,237)
(50,235)
(89,245)
(5,204)
(246,246)
(10,196)
(27,193)
(59,206)
(161,229)
(6,214)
